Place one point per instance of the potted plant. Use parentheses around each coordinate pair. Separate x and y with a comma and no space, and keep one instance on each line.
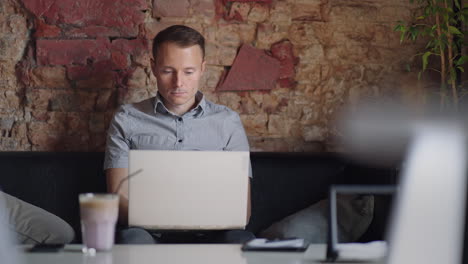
(440,22)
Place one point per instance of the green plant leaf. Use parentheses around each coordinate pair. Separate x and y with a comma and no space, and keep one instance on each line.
(454,30)
(419,75)
(462,60)
(457,4)
(425,60)
(460,68)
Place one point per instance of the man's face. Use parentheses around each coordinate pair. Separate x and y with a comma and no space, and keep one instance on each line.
(178,71)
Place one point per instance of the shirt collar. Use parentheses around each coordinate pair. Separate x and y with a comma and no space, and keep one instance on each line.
(197,111)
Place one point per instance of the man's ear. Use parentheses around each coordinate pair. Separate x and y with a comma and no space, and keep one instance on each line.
(203,66)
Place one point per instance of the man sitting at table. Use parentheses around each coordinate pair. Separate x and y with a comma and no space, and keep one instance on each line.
(175,119)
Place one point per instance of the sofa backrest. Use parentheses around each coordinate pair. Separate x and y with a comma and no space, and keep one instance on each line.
(282,183)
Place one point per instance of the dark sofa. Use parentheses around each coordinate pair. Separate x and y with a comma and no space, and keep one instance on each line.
(283,183)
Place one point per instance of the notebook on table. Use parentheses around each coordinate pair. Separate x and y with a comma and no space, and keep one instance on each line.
(188,190)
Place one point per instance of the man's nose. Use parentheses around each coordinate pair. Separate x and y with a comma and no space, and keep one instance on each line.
(177,79)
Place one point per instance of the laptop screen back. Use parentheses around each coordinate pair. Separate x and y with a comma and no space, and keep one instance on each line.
(188,190)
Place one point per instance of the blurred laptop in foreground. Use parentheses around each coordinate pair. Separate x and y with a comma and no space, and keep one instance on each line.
(428,217)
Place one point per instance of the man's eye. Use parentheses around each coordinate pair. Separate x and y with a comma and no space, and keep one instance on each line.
(188,73)
(166,71)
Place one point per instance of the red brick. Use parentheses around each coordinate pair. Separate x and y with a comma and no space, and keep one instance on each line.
(119,60)
(220,9)
(133,47)
(66,52)
(79,72)
(122,15)
(173,8)
(263,1)
(253,69)
(93,32)
(44,30)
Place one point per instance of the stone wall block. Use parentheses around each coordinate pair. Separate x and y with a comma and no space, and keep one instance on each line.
(278,126)
(173,8)
(150,29)
(38,99)
(267,34)
(12,99)
(259,13)
(228,35)
(314,133)
(86,101)
(203,7)
(248,106)
(314,54)
(231,100)
(104,100)
(50,77)
(211,77)
(280,13)
(64,102)
(255,125)
(97,123)
(311,10)
(302,34)
(40,115)
(239,11)
(220,55)
(78,124)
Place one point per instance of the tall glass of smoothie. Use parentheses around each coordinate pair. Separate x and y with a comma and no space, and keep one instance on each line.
(98,219)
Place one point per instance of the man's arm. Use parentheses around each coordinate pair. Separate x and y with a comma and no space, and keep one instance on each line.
(249,208)
(238,142)
(114,177)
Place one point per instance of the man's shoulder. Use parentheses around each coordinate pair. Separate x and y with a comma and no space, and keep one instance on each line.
(213,108)
(146,105)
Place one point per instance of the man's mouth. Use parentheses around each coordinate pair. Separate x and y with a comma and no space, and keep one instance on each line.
(178,92)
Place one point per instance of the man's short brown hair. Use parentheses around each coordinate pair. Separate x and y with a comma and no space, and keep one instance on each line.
(181,35)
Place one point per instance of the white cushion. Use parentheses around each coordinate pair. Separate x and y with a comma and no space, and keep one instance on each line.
(354,213)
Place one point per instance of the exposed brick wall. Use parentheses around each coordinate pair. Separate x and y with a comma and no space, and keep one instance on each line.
(66,65)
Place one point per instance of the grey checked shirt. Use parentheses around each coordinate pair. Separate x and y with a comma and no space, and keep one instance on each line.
(149,125)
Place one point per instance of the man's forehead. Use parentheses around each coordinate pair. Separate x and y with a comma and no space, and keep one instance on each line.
(175,46)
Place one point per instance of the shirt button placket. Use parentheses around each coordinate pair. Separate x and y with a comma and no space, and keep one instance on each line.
(180,135)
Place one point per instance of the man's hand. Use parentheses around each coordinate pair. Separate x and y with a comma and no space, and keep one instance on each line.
(114,177)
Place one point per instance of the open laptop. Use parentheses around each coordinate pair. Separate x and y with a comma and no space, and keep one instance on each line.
(188,190)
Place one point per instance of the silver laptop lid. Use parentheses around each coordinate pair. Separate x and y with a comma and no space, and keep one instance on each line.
(179,190)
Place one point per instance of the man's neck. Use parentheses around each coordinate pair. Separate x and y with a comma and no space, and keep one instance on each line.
(179,109)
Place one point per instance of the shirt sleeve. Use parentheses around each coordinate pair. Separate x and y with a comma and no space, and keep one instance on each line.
(237,140)
(117,144)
